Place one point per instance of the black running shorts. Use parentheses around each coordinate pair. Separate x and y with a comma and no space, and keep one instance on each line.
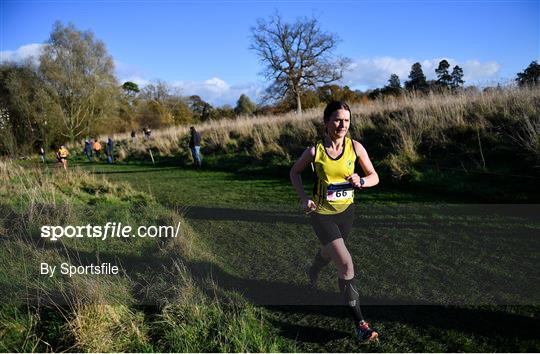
(333,226)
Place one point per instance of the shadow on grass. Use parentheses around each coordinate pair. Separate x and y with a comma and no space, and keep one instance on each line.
(310,334)
(388,190)
(420,217)
(293,299)
(289,301)
(481,322)
(234,214)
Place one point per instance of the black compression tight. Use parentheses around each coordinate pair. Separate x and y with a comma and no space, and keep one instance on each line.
(351,297)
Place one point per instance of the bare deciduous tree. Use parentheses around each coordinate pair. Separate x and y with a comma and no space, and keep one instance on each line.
(296,55)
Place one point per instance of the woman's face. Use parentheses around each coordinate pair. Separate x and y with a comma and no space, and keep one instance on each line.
(338,124)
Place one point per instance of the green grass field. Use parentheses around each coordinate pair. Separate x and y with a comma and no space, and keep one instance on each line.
(156,303)
(436,274)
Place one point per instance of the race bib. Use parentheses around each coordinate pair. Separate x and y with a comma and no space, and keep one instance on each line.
(339,191)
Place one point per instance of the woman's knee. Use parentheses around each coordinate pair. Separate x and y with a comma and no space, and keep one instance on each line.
(341,257)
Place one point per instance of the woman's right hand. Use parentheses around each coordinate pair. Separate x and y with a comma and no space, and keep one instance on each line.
(308,205)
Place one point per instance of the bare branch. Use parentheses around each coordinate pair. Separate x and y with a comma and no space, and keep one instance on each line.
(295,56)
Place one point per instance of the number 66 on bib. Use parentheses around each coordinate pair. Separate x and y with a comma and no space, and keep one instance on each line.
(339,191)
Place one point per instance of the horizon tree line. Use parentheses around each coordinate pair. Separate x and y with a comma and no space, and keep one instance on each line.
(72,93)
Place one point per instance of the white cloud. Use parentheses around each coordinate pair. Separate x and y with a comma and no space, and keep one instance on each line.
(127,72)
(474,70)
(23,53)
(140,81)
(214,90)
(375,72)
(217,91)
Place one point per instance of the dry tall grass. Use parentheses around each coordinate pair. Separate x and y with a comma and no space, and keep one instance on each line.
(403,123)
(95,309)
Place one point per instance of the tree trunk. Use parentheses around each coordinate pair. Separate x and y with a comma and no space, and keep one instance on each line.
(298,104)
(71,135)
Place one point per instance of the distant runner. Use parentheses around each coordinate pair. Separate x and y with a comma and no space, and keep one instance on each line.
(331,207)
(195,146)
(62,155)
(42,154)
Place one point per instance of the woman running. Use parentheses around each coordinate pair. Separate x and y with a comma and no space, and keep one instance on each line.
(62,155)
(331,208)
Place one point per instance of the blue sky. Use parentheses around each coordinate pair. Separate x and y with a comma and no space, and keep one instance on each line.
(202,47)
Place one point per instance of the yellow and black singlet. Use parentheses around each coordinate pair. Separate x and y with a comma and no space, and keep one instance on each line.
(332,192)
(63,152)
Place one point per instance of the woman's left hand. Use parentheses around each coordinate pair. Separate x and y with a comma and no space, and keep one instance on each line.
(354,179)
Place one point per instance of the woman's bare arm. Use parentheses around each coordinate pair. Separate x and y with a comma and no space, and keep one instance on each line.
(372,178)
(296,180)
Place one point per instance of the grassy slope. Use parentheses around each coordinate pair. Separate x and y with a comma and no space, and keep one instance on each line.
(474,144)
(156,305)
(406,252)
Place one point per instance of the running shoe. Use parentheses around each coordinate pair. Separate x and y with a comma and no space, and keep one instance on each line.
(366,334)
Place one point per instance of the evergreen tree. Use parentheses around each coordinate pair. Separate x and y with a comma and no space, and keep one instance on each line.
(417,79)
(394,82)
(244,106)
(444,79)
(457,77)
(393,87)
(130,88)
(529,76)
